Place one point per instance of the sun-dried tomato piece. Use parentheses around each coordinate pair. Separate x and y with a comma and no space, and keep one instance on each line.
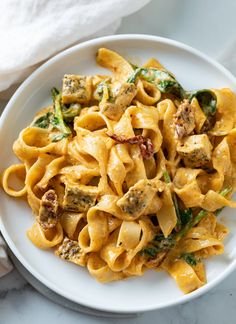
(145,144)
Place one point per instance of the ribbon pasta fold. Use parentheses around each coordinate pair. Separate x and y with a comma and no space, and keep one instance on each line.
(112,169)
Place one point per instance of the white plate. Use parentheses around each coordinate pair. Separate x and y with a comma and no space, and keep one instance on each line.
(155,289)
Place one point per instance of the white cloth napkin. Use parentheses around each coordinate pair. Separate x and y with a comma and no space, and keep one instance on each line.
(33,30)
(5,264)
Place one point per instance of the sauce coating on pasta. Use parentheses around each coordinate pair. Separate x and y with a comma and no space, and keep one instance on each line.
(129,171)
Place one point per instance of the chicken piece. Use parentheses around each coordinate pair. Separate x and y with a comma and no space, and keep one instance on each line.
(71,251)
(154,206)
(48,212)
(123,100)
(196,150)
(184,119)
(138,198)
(79,198)
(125,95)
(76,89)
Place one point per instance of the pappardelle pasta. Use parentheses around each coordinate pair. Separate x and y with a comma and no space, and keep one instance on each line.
(129,171)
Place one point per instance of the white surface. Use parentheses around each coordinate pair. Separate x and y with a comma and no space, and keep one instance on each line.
(32,31)
(19,303)
(5,264)
(208,25)
(153,290)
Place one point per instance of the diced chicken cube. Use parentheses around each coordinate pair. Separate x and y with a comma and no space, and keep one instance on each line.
(76,88)
(154,206)
(184,119)
(79,198)
(122,100)
(196,150)
(138,198)
(48,212)
(125,95)
(71,251)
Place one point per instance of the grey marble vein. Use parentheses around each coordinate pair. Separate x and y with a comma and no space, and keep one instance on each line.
(21,303)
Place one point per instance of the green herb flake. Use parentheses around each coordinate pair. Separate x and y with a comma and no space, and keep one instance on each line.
(98,94)
(150,251)
(223,193)
(186,215)
(158,244)
(167,179)
(43,121)
(166,176)
(58,120)
(58,137)
(195,220)
(69,113)
(163,243)
(134,76)
(206,99)
(54,121)
(189,258)
(163,80)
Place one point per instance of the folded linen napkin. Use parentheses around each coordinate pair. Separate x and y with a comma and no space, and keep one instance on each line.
(5,264)
(33,31)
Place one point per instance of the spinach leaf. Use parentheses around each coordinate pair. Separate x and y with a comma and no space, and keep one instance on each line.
(167,83)
(163,80)
(206,99)
(150,251)
(167,179)
(43,121)
(195,220)
(160,243)
(69,113)
(134,76)
(172,87)
(184,230)
(98,94)
(185,216)
(163,243)
(99,91)
(189,258)
(58,120)
(59,137)
(224,193)
(54,121)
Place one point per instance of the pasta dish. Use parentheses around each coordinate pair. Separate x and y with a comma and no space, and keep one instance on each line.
(128,171)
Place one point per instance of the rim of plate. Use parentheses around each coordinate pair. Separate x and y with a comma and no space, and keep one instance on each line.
(44,66)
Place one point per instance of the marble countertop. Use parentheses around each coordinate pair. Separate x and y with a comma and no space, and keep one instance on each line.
(206,25)
(20,303)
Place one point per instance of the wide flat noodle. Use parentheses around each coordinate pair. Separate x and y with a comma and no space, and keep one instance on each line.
(167,110)
(226,112)
(45,239)
(187,278)
(115,187)
(114,62)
